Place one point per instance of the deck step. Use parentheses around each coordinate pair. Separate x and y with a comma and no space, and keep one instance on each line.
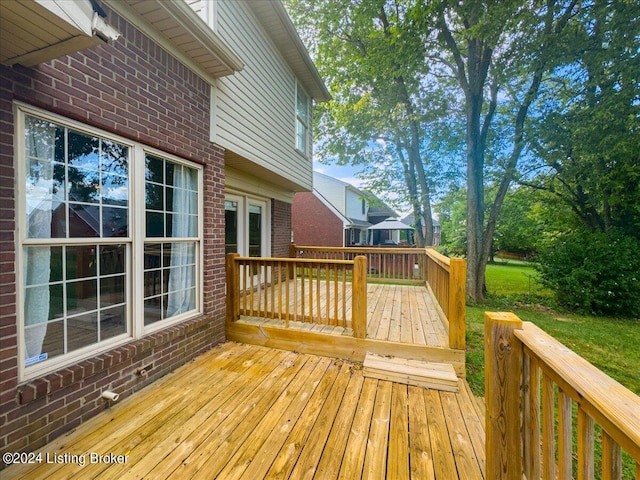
(438,376)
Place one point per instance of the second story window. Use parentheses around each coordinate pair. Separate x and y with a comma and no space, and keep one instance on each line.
(302,120)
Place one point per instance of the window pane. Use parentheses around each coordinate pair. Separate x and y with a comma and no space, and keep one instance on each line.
(82,296)
(115,158)
(115,190)
(152,310)
(84,221)
(82,331)
(50,339)
(154,196)
(230,227)
(114,222)
(83,185)
(155,224)
(113,322)
(255,231)
(302,105)
(112,259)
(154,171)
(112,290)
(83,151)
(81,262)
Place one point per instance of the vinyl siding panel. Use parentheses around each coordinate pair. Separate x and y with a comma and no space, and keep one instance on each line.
(354,206)
(255,108)
(332,190)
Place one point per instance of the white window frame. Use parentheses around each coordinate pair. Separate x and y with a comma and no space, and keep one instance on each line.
(134,242)
(305,122)
(244,201)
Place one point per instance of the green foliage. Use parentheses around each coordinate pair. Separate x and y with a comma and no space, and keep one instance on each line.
(594,273)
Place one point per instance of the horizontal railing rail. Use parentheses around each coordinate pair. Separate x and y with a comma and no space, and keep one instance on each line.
(328,292)
(384,264)
(540,395)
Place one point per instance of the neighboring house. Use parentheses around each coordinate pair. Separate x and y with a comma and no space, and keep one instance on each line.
(335,214)
(140,141)
(437,227)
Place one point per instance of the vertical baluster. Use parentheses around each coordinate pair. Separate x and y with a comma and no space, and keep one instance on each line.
(335,292)
(548,428)
(564,436)
(344,293)
(533,457)
(611,458)
(311,267)
(318,296)
(586,439)
(302,291)
(327,299)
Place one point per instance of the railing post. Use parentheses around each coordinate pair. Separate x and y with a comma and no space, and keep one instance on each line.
(503,376)
(359,297)
(457,303)
(233,287)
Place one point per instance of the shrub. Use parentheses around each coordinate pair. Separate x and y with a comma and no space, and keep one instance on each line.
(594,273)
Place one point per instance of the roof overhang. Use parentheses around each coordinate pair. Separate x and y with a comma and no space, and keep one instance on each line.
(36,31)
(174,22)
(275,20)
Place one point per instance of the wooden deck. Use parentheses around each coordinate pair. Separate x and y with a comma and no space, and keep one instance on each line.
(405,314)
(402,320)
(249,412)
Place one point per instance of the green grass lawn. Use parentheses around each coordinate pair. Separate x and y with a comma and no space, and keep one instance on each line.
(612,345)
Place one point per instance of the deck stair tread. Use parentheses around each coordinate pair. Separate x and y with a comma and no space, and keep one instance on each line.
(438,376)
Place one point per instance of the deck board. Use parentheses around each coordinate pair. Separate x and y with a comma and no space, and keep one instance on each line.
(395,313)
(251,412)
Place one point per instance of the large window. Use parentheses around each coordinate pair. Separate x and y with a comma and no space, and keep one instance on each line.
(97,264)
(302,120)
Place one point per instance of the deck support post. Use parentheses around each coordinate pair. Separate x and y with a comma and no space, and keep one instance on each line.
(359,297)
(503,377)
(233,287)
(457,303)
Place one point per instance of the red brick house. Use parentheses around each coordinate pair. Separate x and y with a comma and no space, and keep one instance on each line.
(140,140)
(335,214)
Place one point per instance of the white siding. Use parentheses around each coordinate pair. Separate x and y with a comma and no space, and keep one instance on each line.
(255,108)
(354,206)
(333,190)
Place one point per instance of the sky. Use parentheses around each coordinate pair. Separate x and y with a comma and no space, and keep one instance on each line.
(344,173)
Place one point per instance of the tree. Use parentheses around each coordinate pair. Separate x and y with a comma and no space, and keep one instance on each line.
(372,56)
(489,47)
(589,131)
(475,69)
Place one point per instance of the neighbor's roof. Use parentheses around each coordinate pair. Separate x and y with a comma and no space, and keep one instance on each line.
(391,224)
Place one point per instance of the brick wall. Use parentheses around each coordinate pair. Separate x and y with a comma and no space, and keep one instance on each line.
(280,228)
(313,223)
(135,89)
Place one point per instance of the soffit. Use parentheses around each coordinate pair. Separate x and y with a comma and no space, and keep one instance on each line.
(179,25)
(33,32)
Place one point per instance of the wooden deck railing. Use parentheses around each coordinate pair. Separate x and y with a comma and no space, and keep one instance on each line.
(303,290)
(444,276)
(397,264)
(533,385)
